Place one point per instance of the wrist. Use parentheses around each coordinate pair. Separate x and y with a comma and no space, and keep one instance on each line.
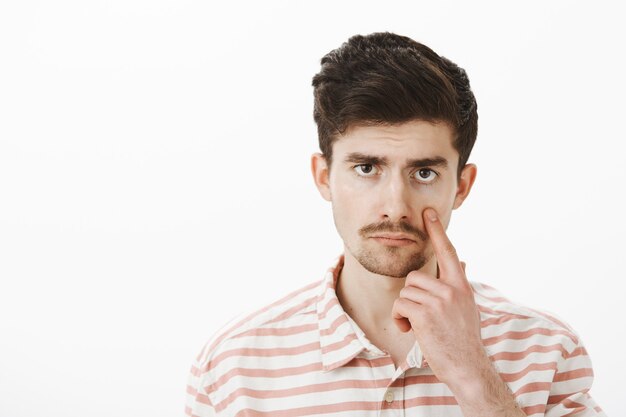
(484,393)
(469,380)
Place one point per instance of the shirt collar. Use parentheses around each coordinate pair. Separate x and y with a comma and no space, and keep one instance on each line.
(341,339)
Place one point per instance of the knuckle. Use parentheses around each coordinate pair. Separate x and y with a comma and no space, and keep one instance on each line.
(467,289)
(400,303)
(414,276)
(403,293)
(396,308)
(439,304)
(447,294)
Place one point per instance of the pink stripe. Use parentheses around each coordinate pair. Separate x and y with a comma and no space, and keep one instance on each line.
(534,409)
(262,352)
(501,319)
(578,373)
(515,376)
(265,373)
(518,335)
(191,390)
(361,362)
(199,397)
(278,331)
(414,402)
(338,345)
(305,389)
(576,352)
(333,302)
(533,387)
(316,409)
(487,310)
(338,322)
(195,371)
(514,356)
(422,379)
(494,299)
(370,363)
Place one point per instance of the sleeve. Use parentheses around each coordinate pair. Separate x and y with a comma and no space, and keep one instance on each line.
(569,392)
(197,402)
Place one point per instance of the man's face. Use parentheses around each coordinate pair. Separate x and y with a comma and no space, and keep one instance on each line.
(381,180)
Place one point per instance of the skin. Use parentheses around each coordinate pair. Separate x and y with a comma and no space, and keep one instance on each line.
(402,281)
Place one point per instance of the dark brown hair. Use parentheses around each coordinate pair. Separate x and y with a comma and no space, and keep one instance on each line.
(384,78)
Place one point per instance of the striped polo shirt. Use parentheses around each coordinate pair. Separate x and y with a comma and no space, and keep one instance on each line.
(304,356)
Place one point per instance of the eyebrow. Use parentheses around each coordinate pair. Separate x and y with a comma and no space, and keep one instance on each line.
(360,158)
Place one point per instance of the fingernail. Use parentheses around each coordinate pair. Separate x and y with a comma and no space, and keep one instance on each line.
(432,215)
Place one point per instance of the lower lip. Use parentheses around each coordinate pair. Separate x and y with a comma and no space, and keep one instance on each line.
(394,242)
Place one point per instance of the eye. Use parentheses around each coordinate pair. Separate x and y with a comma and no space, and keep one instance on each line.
(365,170)
(425,175)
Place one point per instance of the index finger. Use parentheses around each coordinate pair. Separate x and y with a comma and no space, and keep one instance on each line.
(447,258)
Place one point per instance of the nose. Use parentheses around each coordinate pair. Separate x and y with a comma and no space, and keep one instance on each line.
(396,203)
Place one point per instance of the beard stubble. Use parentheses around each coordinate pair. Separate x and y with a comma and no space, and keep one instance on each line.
(391,261)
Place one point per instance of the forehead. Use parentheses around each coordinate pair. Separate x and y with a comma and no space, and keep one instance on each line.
(412,139)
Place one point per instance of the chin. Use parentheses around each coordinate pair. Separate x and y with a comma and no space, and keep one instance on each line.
(391,262)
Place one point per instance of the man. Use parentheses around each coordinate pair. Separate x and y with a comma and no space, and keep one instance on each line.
(395,327)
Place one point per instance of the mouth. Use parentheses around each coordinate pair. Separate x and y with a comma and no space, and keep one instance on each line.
(392,239)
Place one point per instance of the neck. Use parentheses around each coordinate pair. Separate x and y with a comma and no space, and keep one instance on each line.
(367,297)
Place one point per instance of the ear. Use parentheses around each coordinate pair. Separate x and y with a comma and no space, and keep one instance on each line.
(319,169)
(468,175)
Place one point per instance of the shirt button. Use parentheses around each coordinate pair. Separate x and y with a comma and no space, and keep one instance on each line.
(389,396)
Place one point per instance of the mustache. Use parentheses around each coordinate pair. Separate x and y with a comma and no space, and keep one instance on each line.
(390,227)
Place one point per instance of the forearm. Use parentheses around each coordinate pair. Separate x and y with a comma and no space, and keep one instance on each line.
(486,395)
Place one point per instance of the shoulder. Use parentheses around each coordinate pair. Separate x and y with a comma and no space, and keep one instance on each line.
(505,322)
(247,330)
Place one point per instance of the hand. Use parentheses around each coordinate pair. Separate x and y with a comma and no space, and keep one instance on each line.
(442,313)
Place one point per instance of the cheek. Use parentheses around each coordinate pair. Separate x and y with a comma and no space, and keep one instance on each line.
(347,202)
(346,192)
(440,198)
(435,196)
(350,206)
